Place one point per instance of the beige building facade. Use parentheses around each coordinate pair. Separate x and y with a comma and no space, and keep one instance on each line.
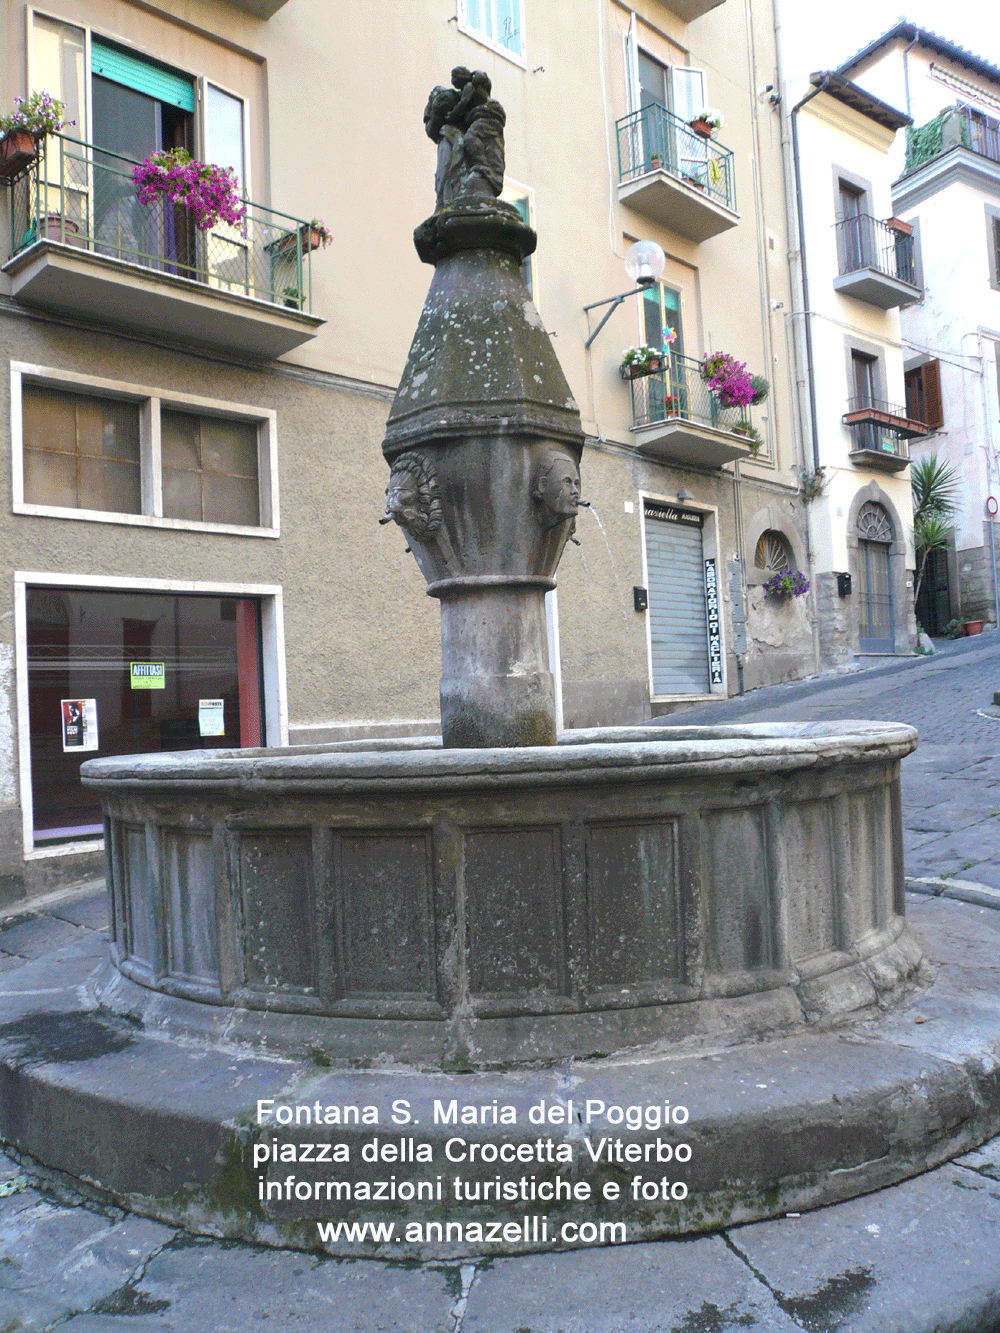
(190,420)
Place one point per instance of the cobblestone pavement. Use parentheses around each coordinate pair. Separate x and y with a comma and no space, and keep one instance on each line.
(951,783)
(921,1257)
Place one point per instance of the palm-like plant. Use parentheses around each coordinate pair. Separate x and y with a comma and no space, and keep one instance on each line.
(934,486)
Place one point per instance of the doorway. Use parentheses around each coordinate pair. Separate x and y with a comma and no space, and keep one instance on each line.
(875,537)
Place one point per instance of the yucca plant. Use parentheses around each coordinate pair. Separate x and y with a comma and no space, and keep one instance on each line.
(934,487)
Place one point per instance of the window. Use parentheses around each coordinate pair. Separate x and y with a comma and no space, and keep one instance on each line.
(661,312)
(993,244)
(94,449)
(923,394)
(773,552)
(864,374)
(81,452)
(520,197)
(498,24)
(209,469)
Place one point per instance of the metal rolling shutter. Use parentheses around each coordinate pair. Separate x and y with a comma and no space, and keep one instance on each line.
(677,617)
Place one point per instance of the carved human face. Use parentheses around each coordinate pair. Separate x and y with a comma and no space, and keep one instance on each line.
(558,486)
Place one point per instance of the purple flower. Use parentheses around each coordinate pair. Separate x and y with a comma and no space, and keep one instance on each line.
(729,378)
(786,585)
(209,191)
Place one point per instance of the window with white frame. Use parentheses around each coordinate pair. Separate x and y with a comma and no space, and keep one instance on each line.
(498,24)
(521,197)
(110,452)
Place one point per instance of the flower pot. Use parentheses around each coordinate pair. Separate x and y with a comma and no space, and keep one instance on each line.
(17,150)
(635,372)
(50,228)
(973,627)
(702,128)
(655,163)
(899,226)
(288,245)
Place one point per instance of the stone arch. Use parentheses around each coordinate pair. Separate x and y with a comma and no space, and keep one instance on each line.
(901,608)
(771,518)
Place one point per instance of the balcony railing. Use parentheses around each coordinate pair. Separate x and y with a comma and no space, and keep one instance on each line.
(654,139)
(83,196)
(955,127)
(865,242)
(890,418)
(678,392)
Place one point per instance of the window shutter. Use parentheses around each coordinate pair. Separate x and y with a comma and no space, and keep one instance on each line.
(631,44)
(933,414)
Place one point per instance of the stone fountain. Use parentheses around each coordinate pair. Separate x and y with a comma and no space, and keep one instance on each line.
(566,926)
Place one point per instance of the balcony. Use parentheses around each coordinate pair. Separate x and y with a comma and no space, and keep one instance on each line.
(876,263)
(689,10)
(879,432)
(677,418)
(84,245)
(674,176)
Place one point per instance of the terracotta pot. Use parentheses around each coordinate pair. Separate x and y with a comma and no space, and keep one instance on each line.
(50,228)
(702,129)
(634,372)
(898,225)
(973,627)
(311,240)
(17,150)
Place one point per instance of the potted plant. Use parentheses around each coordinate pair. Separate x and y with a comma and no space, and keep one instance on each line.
(750,433)
(671,405)
(25,126)
(211,193)
(760,389)
(638,361)
(312,235)
(899,226)
(786,585)
(706,121)
(655,162)
(729,378)
(973,627)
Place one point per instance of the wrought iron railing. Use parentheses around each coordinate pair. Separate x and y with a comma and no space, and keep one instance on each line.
(84,196)
(954,127)
(865,242)
(677,392)
(873,437)
(654,139)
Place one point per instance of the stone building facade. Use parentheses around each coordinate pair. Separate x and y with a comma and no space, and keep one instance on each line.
(191,419)
(946,173)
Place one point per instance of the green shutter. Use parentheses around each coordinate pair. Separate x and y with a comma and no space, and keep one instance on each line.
(138,74)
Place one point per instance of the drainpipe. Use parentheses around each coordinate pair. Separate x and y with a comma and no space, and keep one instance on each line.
(804,267)
(906,72)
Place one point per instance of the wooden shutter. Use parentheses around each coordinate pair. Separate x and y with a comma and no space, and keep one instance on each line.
(933,414)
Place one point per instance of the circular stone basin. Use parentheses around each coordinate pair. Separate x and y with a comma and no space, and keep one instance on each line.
(395,902)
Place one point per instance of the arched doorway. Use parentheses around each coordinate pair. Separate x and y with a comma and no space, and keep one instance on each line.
(875,539)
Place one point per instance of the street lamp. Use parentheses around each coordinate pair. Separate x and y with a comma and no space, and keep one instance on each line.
(644,262)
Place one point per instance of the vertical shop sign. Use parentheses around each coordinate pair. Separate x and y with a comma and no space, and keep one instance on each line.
(714,624)
(79,724)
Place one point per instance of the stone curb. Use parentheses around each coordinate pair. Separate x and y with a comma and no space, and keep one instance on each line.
(962,890)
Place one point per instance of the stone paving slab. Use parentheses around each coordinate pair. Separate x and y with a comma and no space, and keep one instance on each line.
(700,1285)
(39,936)
(922,1256)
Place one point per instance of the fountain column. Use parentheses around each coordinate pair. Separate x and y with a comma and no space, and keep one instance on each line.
(484,441)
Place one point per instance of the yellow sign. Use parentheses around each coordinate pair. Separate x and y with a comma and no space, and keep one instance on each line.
(147,676)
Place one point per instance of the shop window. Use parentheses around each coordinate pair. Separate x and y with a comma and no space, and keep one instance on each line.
(115,672)
(209,469)
(498,24)
(81,452)
(138,458)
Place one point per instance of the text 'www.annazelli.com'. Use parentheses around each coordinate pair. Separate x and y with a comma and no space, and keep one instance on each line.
(531,1230)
